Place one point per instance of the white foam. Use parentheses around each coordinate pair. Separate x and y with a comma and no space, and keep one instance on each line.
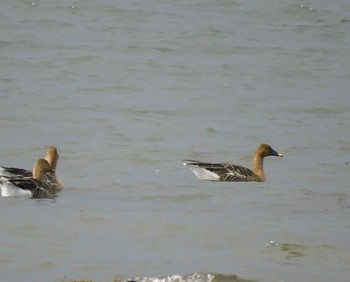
(178,278)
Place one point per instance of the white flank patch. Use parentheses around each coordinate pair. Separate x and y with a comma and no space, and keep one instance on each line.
(10,190)
(204,174)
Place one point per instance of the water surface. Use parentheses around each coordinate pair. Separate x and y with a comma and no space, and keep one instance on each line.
(129,89)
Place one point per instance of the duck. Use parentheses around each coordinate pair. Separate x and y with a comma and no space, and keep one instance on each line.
(232,172)
(36,187)
(51,157)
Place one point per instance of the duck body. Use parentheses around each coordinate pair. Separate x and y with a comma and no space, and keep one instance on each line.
(220,171)
(8,172)
(52,158)
(25,187)
(50,178)
(232,172)
(38,186)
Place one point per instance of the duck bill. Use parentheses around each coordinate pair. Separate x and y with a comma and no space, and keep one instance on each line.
(274,153)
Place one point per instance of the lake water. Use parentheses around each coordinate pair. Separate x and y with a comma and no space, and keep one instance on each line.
(128,89)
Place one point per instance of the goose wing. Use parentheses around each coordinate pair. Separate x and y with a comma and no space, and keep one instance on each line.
(222,171)
(231,172)
(14,171)
(36,187)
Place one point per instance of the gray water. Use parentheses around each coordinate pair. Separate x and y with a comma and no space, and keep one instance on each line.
(128,89)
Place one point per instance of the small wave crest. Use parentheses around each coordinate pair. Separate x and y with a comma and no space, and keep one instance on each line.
(195,277)
(175,278)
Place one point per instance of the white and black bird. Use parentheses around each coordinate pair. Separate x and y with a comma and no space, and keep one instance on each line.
(36,187)
(51,156)
(231,172)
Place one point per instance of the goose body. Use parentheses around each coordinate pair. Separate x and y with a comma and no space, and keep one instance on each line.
(37,186)
(231,172)
(52,158)
(50,177)
(7,172)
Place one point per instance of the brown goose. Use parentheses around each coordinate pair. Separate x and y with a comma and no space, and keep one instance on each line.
(36,187)
(231,172)
(52,158)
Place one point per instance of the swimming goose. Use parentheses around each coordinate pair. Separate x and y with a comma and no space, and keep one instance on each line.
(36,187)
(231,172)
(51,157)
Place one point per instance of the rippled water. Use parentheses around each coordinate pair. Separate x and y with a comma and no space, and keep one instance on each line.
(128,89)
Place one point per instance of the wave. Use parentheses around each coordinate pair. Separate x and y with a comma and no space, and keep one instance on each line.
(195,277)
